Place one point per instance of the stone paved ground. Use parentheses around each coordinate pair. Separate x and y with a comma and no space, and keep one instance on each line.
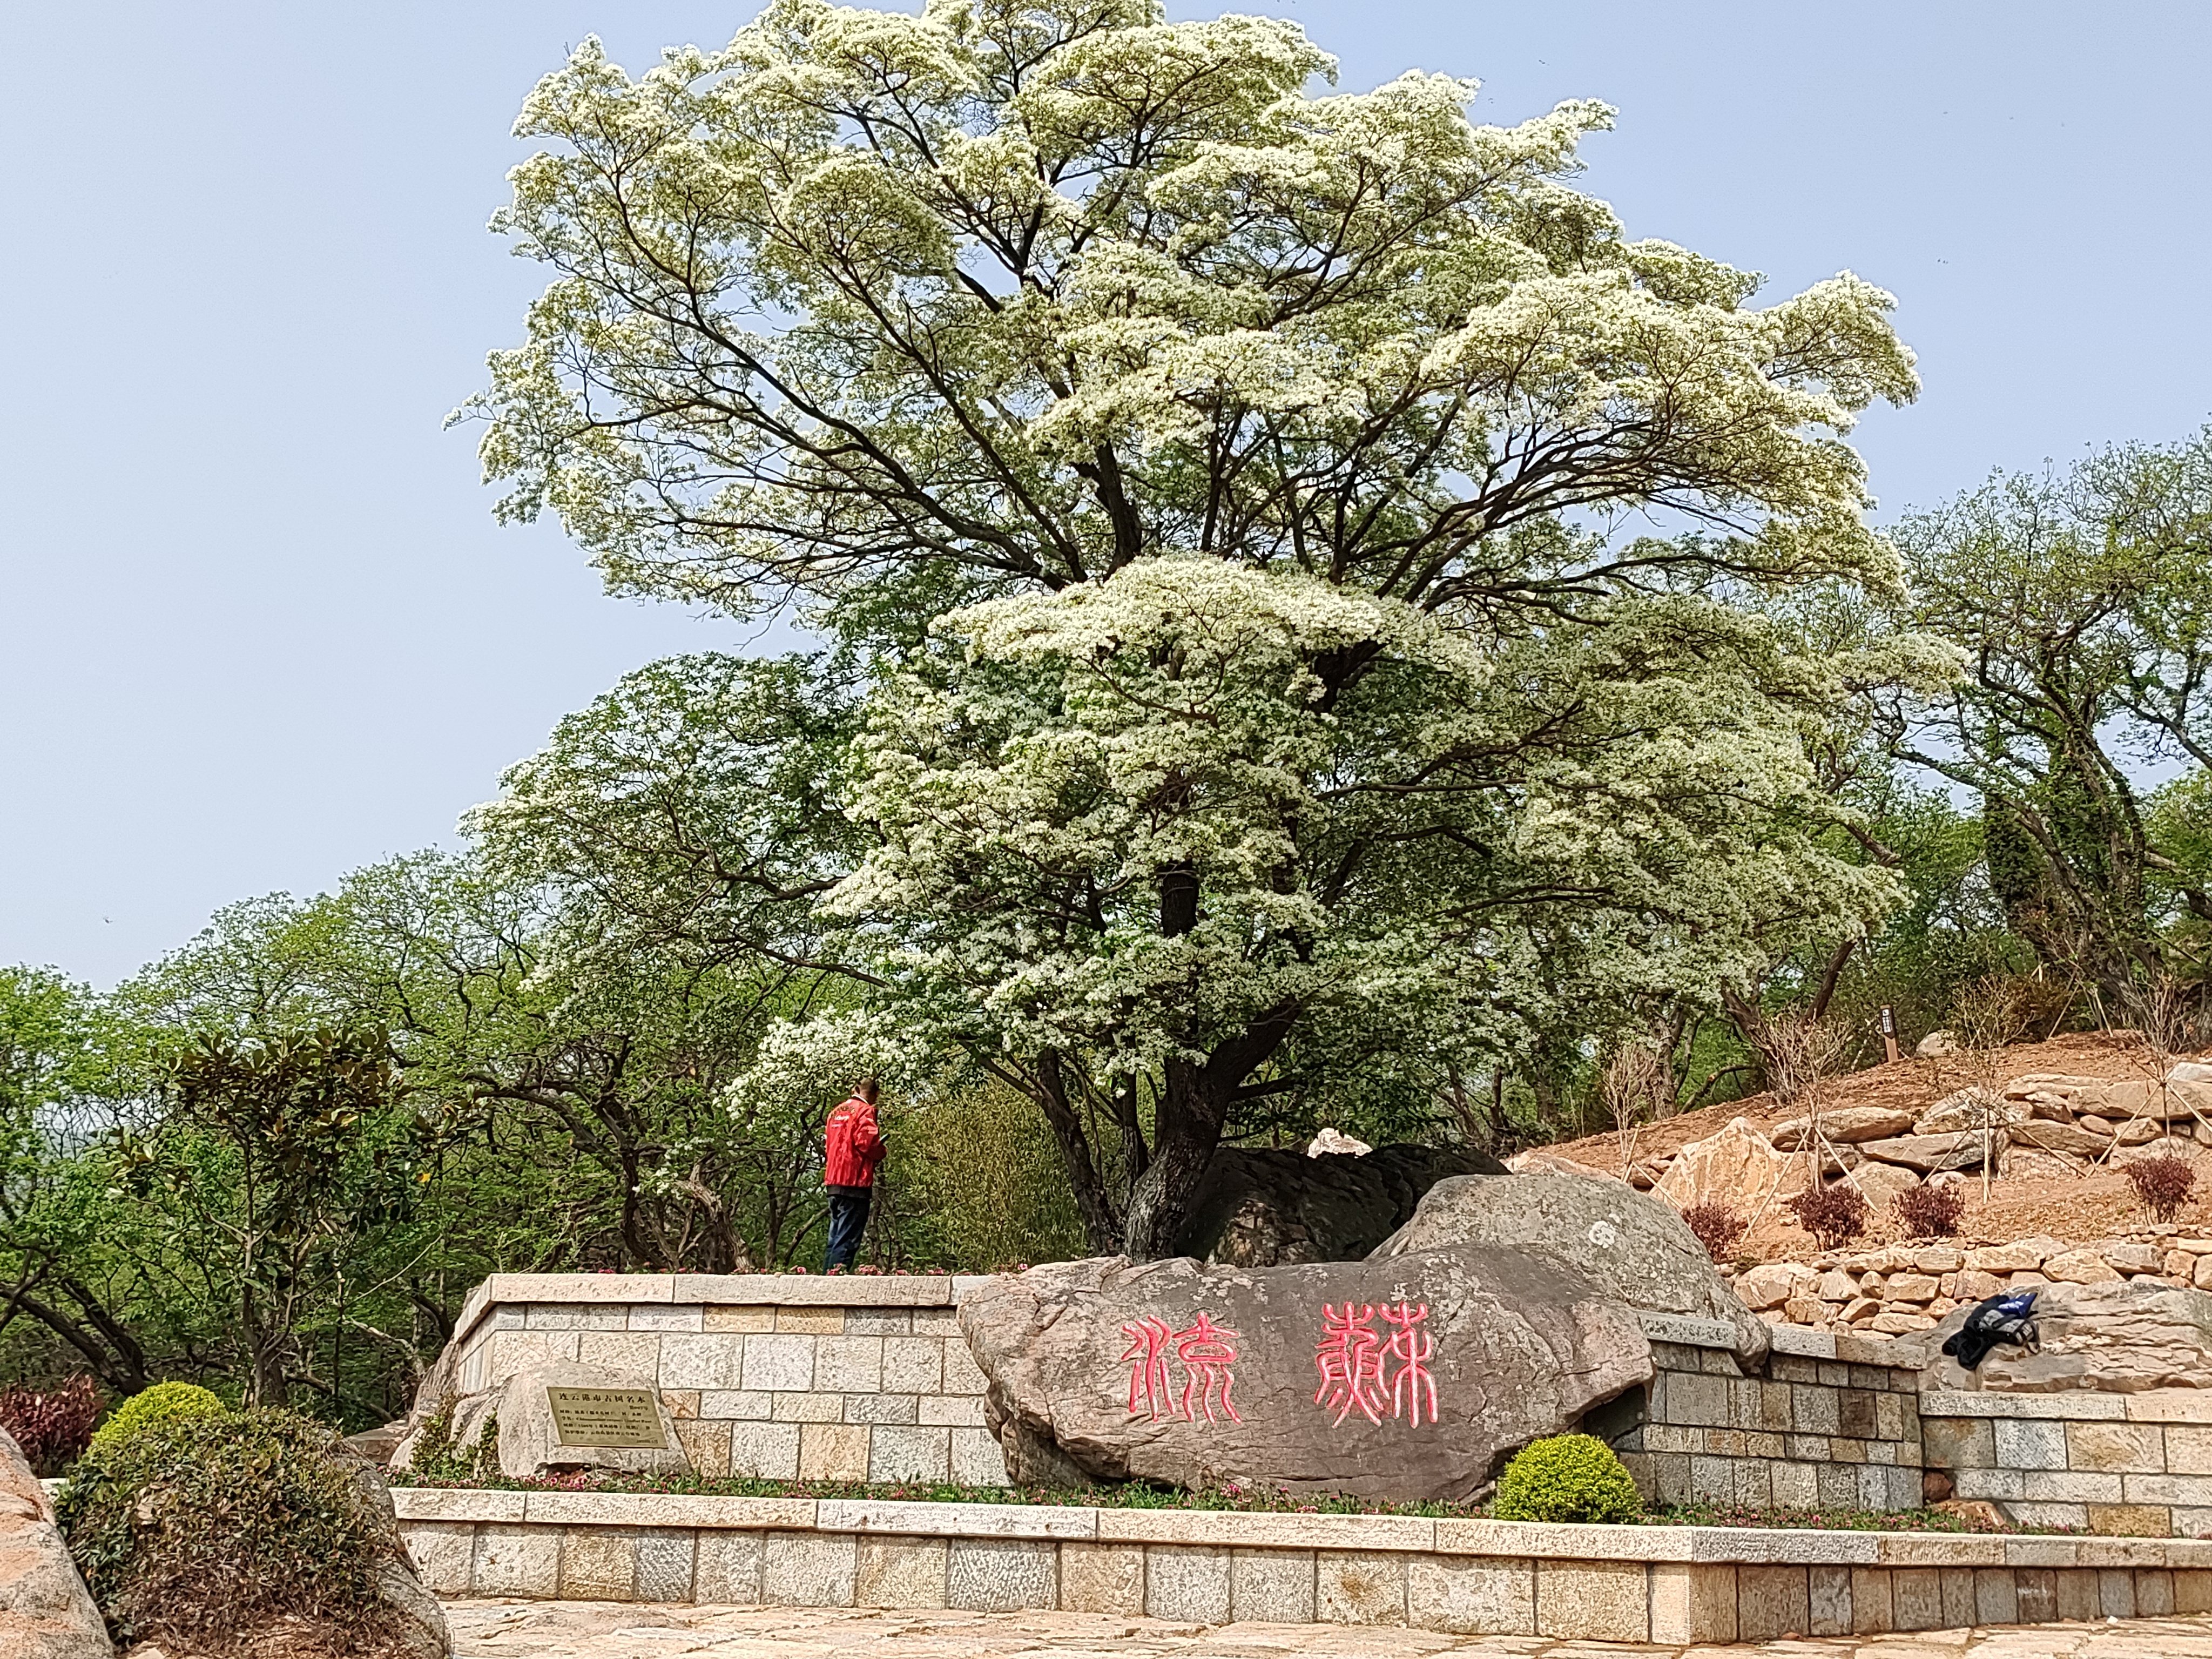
(603,1629)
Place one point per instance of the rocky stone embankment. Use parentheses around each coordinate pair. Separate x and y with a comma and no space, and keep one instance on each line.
(2048,1121)
(1895,1289)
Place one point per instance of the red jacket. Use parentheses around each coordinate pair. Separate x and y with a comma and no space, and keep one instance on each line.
(855,1146)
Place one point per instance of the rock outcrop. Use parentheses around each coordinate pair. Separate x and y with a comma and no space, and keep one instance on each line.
(1846,1125)
(528,1441)
(1411,1376)
(1635,1247)
(417,1625)
(1738,1167)
(1263,1207)
(45,1611)
(2110,1336)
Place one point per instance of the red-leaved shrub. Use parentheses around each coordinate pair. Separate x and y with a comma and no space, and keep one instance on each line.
(1834,1215)
(2163,1185)
(1717,1227)
(52,1429)
(1930,1212)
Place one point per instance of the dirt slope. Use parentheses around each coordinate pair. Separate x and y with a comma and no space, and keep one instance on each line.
(2077,1207)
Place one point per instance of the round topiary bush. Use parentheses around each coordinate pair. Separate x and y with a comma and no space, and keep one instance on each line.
(199,1534)
(165,1402)
(1568,1477)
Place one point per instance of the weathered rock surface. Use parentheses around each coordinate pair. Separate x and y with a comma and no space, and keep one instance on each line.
(1262,1207)
(1636,1246)
(2069,1137)
(1971,1109)
(529,1442)
(2114,1337)
(1936,1045)
(45,1611)
(417,1625)
(1962,1151)
(1845,1125)
(1514,1346)
(1738,1167)
(1880,1184)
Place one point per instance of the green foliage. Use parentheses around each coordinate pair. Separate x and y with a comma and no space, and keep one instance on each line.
(1566,1477)
(979,1182)
(438,1457)
(165,1402)
(200,1532)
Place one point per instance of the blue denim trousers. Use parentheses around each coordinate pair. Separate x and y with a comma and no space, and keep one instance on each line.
(849,1219)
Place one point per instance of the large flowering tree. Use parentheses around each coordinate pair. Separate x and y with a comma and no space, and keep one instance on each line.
(1281,452)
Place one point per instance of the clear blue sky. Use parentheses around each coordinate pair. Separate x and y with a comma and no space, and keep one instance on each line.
(259,627)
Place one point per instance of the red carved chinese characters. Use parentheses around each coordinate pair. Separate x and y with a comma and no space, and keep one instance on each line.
(1206,1349)
(1148,1367)
(1205,1352)
(1411,1348)
(1350,1361)
(1353,1355)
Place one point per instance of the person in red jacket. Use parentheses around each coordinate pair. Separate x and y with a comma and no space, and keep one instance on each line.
(854,1145)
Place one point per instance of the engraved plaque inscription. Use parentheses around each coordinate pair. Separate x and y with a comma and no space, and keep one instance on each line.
(619,1418)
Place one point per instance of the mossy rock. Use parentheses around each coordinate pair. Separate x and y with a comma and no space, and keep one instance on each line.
(201,1533)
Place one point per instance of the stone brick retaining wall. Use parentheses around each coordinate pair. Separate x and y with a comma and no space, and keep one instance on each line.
(767,1375)
(1677,1585)
(2138,1464)
(1831,1422)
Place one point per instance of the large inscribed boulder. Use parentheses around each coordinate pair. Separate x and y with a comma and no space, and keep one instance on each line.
(1639,1248)
(2113,1337)
(1263,1207)
(45,1611)
(1410,1378)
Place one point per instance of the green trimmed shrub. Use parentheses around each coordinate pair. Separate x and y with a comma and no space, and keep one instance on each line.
(200,1534)
(165,1402)
(1567,1477)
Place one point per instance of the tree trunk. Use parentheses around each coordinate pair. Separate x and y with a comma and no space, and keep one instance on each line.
(1101,1227)
(1193,1107)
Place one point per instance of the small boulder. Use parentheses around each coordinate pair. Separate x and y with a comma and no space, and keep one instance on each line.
(1637,1246)
(1937,1045)
(2111,1337)
(1960,1151)
(1846,1125)
(2042,1135)
(1880,1184)
(1738,1167)
(45,1611)
(529,1440)
(1331,1141)
(1971,1109)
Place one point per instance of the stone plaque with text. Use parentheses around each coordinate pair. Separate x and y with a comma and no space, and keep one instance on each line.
(607,1417)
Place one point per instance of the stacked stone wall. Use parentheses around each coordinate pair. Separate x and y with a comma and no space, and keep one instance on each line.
(768,1376)
(1829,1423)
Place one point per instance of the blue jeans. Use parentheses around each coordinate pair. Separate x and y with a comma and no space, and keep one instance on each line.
(849,1219)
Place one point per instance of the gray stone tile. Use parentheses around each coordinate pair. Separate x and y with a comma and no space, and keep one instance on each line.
(729,1566)
(665,1557)
(780,1362)
(764,1451)
(900,1573)
(1470,1595)
(909,1454)
(996,1574)
(809,1569)
(1187,1583)
(1271,1587)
